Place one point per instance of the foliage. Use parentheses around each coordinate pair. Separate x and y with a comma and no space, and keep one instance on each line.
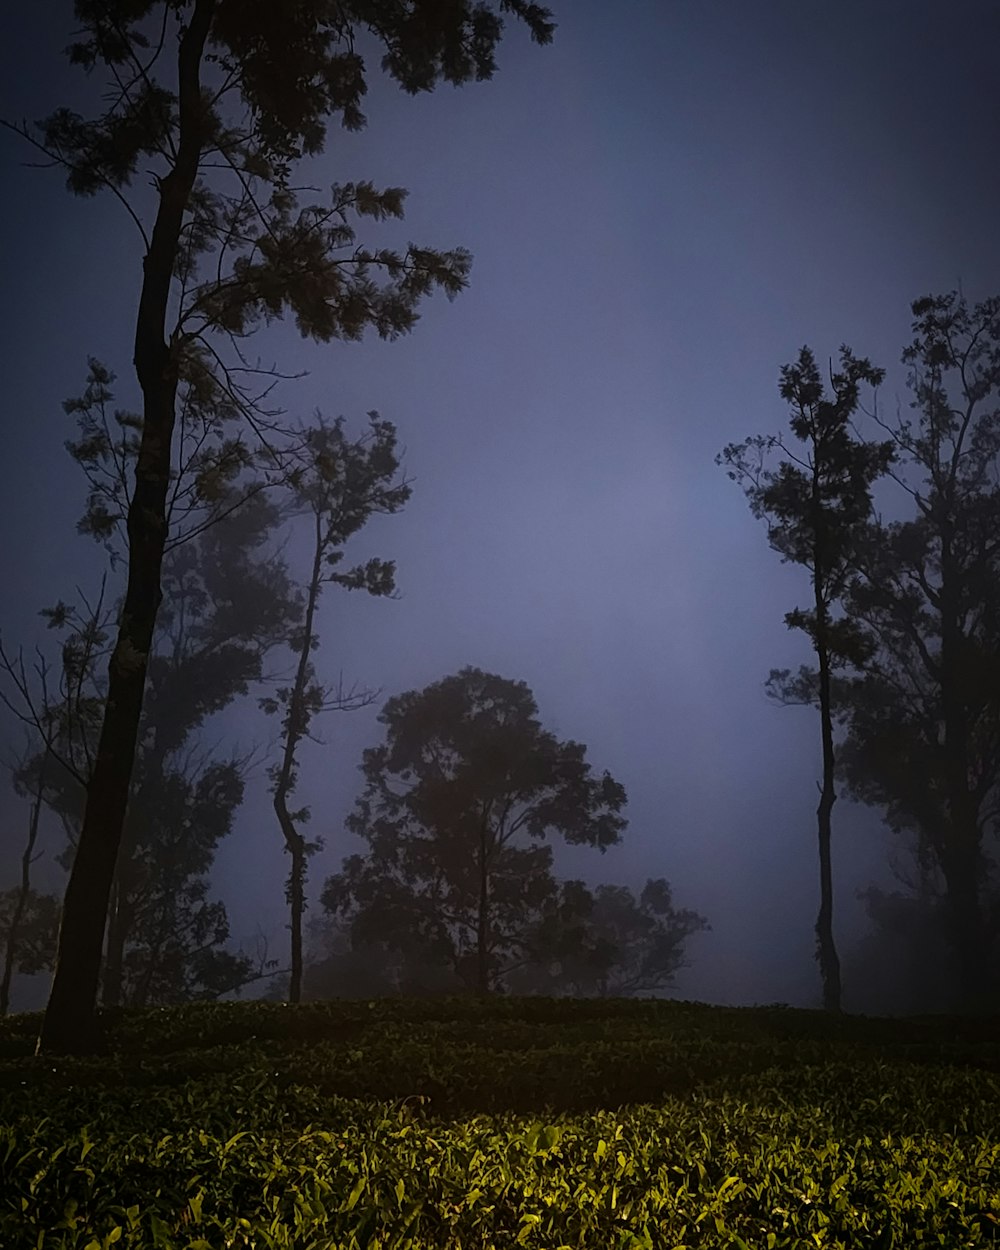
(905,963)
(228,602)
(533,1123)
(340,965)
(607,942)
(923,723)
(35,948)
(817,501)
(457,806)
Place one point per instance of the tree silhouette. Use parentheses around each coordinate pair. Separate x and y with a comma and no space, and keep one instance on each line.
(816,503)
(606,942)
(222,97)
(228,602)
(923,722)
(341,485)
(458,806)
(28,919)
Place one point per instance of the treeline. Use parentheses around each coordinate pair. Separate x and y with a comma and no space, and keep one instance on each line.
(196,492)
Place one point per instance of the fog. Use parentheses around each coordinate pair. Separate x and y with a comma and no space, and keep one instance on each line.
(663,207)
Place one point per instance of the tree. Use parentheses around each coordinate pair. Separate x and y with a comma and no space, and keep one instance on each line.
(230,246)
(343,485)
(923,721)
(901,965)
(23,909)
(816,503)
(458,806)
(341,967)
(29,921)
(229,602)
(607,942)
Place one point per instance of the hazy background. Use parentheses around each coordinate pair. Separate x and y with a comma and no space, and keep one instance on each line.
(663,206)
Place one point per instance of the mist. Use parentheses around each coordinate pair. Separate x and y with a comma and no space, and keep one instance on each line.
(661,213)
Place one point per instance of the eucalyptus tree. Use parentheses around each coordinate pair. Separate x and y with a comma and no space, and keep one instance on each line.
(923,723)
(338,486)
(219,100)
(817,503)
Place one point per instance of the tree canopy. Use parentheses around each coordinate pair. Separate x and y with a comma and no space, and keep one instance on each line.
(459,808)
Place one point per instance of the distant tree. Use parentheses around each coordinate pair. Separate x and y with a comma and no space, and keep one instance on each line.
(923,722)
(229,602)
(340,487)
(29,924)
(816,503)
(900,966)
(457,807)
(606,942)
(340,967)
(28,919)
(231,246)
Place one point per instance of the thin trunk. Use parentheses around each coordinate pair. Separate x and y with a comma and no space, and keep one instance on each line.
(296,723)
(70,1024)
(24,892)
(483,925)
(826,950)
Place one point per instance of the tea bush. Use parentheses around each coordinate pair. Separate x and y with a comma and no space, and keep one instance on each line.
(510,1123)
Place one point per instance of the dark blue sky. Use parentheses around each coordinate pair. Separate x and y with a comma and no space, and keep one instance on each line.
(663,207)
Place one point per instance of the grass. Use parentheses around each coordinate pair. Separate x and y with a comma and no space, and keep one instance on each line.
(508,1123)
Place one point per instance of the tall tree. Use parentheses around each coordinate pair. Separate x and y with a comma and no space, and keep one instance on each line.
(228,601)
(817,502)
(339,488)
(923,723)
(224,96)
(458,806)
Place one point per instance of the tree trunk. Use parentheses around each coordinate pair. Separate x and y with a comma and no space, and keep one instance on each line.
(111,986)
(296,725)
(826,949)
(70,1024)
(974,990)
(10,952)
(296,908)
(962,863)
(483,927)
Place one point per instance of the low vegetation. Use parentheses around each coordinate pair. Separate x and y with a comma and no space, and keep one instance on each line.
(506,1123)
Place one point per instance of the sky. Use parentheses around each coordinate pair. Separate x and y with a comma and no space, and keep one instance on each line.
(663,206)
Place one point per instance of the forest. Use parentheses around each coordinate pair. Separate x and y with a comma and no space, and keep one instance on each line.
(474,937)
